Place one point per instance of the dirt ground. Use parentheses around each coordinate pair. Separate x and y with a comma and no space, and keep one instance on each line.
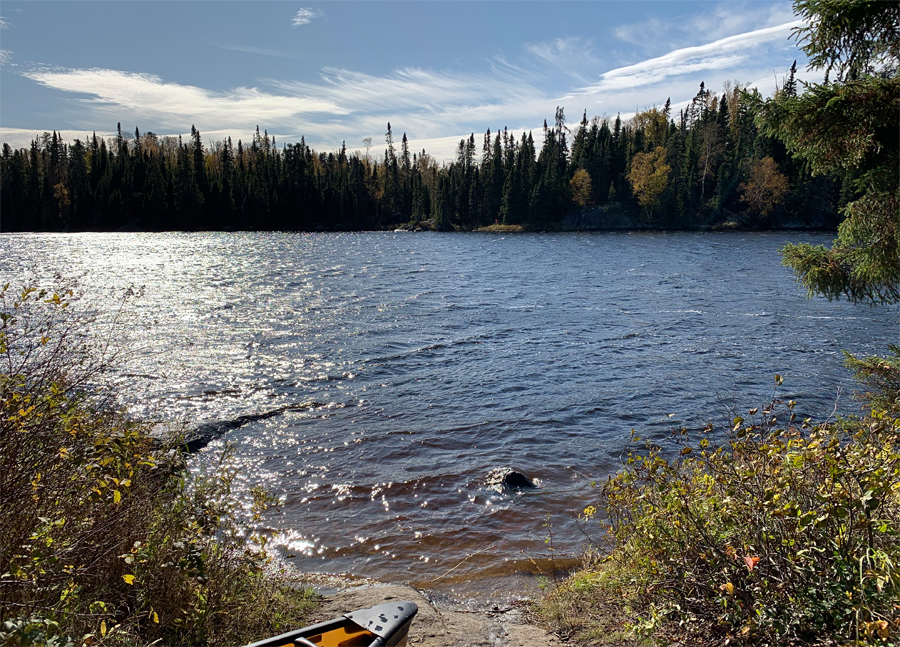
(441,621)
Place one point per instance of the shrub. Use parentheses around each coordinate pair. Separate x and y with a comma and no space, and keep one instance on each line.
(106,537)
(786,533)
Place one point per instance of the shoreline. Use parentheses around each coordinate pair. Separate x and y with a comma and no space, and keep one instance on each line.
(422,227)
(442,621)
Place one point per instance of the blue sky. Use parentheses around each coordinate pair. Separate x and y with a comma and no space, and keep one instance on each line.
(339,71)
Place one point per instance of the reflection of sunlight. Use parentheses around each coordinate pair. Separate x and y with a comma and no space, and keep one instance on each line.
(293,543)
(235,326)
(342,490)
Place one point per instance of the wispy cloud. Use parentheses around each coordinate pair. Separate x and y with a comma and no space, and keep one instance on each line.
(5,54)
(341,104)
(22,137)
(716,22)
(561,50)
(717,55)
(642,33)
(114,91)
(571,55)
(730,18)
(434,107)
(424,98)
(305,16)
(259,50)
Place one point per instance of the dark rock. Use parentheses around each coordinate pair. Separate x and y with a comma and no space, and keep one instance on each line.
(506,478)
(204,434)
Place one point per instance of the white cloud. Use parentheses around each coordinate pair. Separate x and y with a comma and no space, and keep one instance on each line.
(305,16)
(642,33)
(716,22)
(562,51)
(341,103)
(422,98)
(5,56)
(171,103)
(572,56)
(436,108)
(725,19)
(22,137)
(720,54)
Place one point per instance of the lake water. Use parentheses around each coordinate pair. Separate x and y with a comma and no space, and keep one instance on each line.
(431,358)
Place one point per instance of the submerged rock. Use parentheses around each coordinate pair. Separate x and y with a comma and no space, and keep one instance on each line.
(506,478)
(203,434)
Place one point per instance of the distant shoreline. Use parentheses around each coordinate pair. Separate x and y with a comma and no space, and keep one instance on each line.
(420,227)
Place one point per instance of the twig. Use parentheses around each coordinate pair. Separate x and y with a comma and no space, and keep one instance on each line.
(467,557)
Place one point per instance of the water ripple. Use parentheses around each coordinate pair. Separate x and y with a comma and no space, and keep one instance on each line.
(431,359)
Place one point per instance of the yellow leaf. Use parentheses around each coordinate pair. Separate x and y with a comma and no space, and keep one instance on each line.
(728,587)
(103,628)
(117,496)
(155,618)
(129,579)
(880,627)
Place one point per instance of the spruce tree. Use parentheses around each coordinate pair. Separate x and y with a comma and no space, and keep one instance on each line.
(850,124)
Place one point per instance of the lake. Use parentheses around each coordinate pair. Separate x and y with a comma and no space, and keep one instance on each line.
(418,362)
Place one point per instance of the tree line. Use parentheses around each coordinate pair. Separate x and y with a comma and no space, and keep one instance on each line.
(707,164)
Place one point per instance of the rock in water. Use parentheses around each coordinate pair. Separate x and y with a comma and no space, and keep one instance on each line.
(501,478)
(204,434)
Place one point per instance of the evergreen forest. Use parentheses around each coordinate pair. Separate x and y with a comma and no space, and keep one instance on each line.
(709,164)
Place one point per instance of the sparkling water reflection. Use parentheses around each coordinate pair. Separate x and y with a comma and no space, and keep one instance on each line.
(422,361)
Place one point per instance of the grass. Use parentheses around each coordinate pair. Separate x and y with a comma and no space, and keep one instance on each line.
(591,608)
(785,533)
(106,537)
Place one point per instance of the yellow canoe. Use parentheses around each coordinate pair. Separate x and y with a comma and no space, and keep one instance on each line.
(386,625)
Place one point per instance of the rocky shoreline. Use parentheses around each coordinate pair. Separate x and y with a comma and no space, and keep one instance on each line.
(442,621)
